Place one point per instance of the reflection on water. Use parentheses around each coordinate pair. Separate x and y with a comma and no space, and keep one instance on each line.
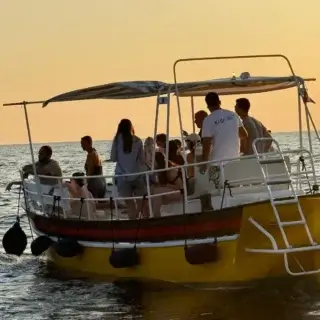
(31,289)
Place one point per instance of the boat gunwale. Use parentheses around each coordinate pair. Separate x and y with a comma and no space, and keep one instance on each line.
(144,230)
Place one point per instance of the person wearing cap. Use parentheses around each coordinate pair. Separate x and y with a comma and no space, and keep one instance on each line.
(221,131)
(254,127)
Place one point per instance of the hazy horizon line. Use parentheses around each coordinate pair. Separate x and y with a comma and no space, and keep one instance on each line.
(108,140)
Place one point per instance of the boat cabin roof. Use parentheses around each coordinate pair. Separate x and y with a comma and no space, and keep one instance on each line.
(143,89)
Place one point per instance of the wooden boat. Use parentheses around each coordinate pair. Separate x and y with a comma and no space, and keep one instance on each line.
(264,222)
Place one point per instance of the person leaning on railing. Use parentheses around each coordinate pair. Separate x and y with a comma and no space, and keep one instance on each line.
(45,166)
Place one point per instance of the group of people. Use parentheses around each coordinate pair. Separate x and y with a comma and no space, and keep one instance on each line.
(132,157)
(79,187)
(223,134)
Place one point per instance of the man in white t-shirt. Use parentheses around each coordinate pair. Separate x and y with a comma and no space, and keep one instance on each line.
(221,131)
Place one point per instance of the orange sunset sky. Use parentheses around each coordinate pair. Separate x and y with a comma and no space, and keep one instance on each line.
(50,47)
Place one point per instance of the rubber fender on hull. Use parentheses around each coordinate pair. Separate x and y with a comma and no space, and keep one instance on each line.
(15,240)
(124,258)
(40,245)
(201,253)
(68,248)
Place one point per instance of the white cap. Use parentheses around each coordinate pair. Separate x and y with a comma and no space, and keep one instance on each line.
(193,137)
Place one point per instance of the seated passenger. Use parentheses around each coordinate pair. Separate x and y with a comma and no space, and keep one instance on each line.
(174,153)
(44,166)
(192,140)
(127,152)
(93,167)
(161,140)
(167,181)
(78,189)
(254,128)
(148,151)
(179,144)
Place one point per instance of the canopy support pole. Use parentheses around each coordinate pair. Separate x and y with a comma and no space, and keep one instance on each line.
(312,122)
(23,103)
(308,124)
(300,119)
(168,129)
(32,154)
(155,131)
(192,112)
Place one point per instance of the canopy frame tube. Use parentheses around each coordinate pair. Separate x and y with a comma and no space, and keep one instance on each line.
(296,79)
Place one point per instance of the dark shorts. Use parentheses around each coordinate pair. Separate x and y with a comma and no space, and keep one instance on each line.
(127,188)
(97,187)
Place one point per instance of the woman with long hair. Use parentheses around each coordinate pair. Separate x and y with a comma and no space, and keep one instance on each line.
(174,153)
(149,149)
(127,152)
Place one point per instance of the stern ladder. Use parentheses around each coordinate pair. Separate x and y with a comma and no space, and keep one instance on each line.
(276,202)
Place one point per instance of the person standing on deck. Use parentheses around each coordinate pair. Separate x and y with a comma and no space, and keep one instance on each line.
(221,131)
(254,128)
(93,167)
(127,151)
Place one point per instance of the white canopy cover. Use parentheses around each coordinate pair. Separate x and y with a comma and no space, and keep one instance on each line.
(143,89)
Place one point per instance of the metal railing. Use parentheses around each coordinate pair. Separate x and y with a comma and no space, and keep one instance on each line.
(150,194)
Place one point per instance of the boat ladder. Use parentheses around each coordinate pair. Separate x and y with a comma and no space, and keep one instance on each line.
(276,202)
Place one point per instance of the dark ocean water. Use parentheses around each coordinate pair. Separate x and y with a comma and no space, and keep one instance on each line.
(31,289)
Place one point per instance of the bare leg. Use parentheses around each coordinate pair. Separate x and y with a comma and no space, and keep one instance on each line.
(206,204)
(142,208)
(156,206)
(132,209)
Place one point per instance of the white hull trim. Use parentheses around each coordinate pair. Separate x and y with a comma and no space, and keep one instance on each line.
(124,245)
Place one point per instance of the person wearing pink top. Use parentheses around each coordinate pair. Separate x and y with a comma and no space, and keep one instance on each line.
(78,190)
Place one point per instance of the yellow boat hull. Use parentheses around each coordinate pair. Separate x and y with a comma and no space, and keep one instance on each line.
(234,262)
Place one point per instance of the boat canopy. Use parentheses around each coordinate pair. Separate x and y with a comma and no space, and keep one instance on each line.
(144,89)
